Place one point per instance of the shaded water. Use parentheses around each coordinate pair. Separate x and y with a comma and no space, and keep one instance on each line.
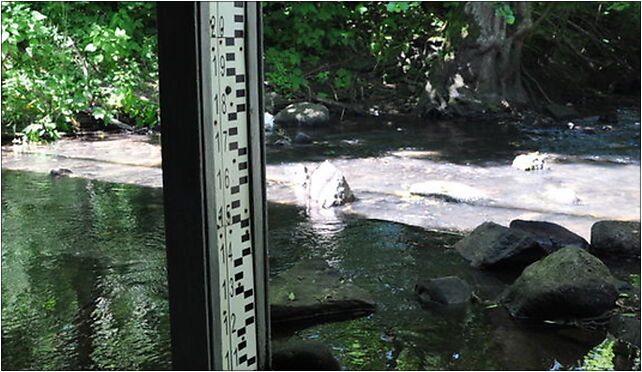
(83,275)
(388,259)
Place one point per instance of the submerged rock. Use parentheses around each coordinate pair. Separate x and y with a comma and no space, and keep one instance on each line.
(303,114)
(549,236)
(530,162)
(615,239)
(570,283)
(304,356)
(302,139)
(561,195)
(312,292)
(491,245)
(449,290)
(448,191)
(56,172)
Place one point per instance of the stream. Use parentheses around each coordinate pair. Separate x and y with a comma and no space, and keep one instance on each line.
(83,261)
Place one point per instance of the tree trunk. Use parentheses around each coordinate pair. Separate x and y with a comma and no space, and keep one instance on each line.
(485,72)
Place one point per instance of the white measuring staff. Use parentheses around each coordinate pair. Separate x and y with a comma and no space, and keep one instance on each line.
(232,187)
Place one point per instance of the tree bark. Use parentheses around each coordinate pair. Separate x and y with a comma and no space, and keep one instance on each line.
(485,71)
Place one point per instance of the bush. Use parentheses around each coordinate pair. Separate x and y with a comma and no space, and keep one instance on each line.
(63,59)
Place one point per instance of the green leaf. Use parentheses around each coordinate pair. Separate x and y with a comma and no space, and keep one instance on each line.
(99,113)
(37,16)
(291,296)
(120,32)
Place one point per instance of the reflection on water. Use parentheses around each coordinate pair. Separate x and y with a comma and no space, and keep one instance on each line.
(84,279)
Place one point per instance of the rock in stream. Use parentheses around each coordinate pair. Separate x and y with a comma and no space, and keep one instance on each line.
(548,235)
(303,114)
(570,283)
(615,239)
(493,245)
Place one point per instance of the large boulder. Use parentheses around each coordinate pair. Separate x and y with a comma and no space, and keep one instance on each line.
(493,245)
(303,114)
(615,239)
(312,292)
(549,236)
(449,290)
(303,356)
(323,187)
(570,283)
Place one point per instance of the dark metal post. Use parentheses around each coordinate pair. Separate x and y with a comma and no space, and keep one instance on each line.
(211,118)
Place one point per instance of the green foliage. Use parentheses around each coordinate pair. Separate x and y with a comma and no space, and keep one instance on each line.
(600,358)
(331,47)
(504,10)
(635,280)
(63,59)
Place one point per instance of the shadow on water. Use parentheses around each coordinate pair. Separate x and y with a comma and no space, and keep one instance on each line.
(84,283)
(467,142)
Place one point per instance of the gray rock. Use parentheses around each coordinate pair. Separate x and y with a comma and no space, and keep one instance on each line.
(282,142)
(274,102)
(615,239)
(303,114)
(304,356)
(312,292)
(549,236)
(324,187)
(626,329)
(492,245)
(56,172)
(302,139)
(570,283)
(449,290)
(530,162)
(561,111)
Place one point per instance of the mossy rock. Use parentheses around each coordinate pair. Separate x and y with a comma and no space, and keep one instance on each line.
(570,283)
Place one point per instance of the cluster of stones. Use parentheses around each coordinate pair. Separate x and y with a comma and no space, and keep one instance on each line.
(563,277)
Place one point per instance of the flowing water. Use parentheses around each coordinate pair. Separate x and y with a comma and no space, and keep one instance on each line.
(83,261)
(83,275)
